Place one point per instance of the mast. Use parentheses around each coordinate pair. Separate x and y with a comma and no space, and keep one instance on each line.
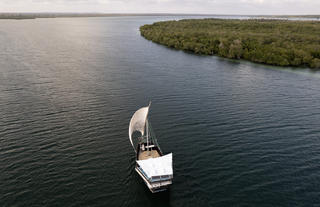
(147,134)
(147,121)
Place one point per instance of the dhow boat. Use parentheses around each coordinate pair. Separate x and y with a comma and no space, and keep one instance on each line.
(152,165)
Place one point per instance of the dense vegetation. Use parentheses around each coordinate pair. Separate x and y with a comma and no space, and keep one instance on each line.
(274,42)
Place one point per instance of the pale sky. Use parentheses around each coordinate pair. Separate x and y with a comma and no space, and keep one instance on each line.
(284,7)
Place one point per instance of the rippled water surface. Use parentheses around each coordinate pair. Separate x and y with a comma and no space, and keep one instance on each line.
(241,134)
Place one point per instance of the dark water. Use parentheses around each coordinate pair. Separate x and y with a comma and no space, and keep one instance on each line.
(241,134)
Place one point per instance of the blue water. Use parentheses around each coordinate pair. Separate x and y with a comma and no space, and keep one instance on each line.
(241,134)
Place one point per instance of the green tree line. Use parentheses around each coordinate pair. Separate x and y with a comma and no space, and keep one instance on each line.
(273,42)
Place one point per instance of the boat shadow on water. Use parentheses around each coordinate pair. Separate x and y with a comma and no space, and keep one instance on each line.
(158,199)
(161,199)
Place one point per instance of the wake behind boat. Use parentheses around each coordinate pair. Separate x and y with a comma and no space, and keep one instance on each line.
(154,168)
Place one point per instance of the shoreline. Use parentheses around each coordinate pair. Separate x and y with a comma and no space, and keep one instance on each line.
(270,42)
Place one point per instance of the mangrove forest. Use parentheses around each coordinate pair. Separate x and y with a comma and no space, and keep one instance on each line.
(273,42)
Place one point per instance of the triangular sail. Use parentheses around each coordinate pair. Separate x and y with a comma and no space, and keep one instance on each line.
(138,122)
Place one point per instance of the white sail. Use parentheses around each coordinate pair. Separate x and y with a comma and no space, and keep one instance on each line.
(138,122)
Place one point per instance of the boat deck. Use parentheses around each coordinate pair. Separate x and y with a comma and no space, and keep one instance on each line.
(148,154)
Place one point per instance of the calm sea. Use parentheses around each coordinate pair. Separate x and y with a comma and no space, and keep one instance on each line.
(241,134)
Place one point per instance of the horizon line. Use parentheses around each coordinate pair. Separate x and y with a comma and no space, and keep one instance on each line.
(157,13)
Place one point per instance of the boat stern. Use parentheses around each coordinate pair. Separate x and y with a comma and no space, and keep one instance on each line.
(156,183)
(157,173)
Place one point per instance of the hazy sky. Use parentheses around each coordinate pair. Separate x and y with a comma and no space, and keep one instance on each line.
(165,6)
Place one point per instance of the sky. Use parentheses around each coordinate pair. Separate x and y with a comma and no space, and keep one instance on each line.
(251,7)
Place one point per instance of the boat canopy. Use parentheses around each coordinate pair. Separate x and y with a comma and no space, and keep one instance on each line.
(138,122)
(160,166)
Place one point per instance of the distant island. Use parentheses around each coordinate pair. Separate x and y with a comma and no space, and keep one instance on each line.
(32,15)
(273,42)
(19,16)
